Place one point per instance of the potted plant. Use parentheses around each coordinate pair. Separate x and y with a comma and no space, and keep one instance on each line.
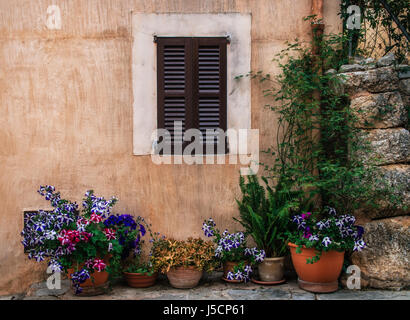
(137,272)
(232,252)
(183,261)
(80,244)
(317,246)
(140,275)
(265,216)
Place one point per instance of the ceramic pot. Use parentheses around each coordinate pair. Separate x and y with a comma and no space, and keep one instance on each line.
(140,280)
(184,277)
(272,269)
(321,276)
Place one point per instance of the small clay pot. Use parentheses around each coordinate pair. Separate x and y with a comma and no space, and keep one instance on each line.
(321,276)
(229,266)
(140,280)
(184,277)
(272,269)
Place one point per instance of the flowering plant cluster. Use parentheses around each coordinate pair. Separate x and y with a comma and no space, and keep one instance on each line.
(136,263)
(170,253)
(232,247)
(88,242)
(332,232)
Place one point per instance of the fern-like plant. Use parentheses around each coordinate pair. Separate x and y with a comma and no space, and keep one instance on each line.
(265,213)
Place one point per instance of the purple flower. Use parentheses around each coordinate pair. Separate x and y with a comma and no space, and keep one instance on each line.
(331,211)
(142,230)
(207,230)
(326,241)
(359,232)
(323,224)
(230,276)
(359,245)
(79,277)
(238,275)
(218,252)
(297,219)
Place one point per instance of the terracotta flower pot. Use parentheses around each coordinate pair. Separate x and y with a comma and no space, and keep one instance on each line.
(140,280)
(96,284)
(321,276)
(184,277)
(272,269)
(229,266)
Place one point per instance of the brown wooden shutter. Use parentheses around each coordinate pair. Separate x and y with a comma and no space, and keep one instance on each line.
(210,85)
(191,84)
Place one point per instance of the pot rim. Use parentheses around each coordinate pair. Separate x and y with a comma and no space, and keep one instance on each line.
(274,258)
(141,274)
(290,244)
(186,268)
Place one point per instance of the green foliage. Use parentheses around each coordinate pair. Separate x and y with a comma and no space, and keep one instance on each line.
(265,213)
(375,16)
(319,149)
(140,268)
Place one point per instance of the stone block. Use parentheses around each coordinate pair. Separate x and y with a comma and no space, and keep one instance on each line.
(385,262)
(404,86)
(379,110)
(385,61)
(397,176)
(351,68)
(389,146)
(375,81)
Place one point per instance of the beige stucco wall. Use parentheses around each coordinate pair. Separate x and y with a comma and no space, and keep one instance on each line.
(66,116)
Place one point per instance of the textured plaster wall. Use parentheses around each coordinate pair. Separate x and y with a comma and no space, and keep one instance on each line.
(66,116)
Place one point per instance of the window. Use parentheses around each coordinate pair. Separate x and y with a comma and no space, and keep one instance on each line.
(191,89)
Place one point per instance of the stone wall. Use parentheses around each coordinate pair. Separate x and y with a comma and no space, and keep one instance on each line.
(379,95)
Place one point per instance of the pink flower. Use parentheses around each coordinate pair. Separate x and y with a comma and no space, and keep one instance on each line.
(109,233)
(64,238)
(306,215)
(99,265)
(96,218)
(86,236)
(89,263)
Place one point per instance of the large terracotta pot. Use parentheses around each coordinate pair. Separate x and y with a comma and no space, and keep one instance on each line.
(140,280)
(272,269)
(321,276)
(184,277)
